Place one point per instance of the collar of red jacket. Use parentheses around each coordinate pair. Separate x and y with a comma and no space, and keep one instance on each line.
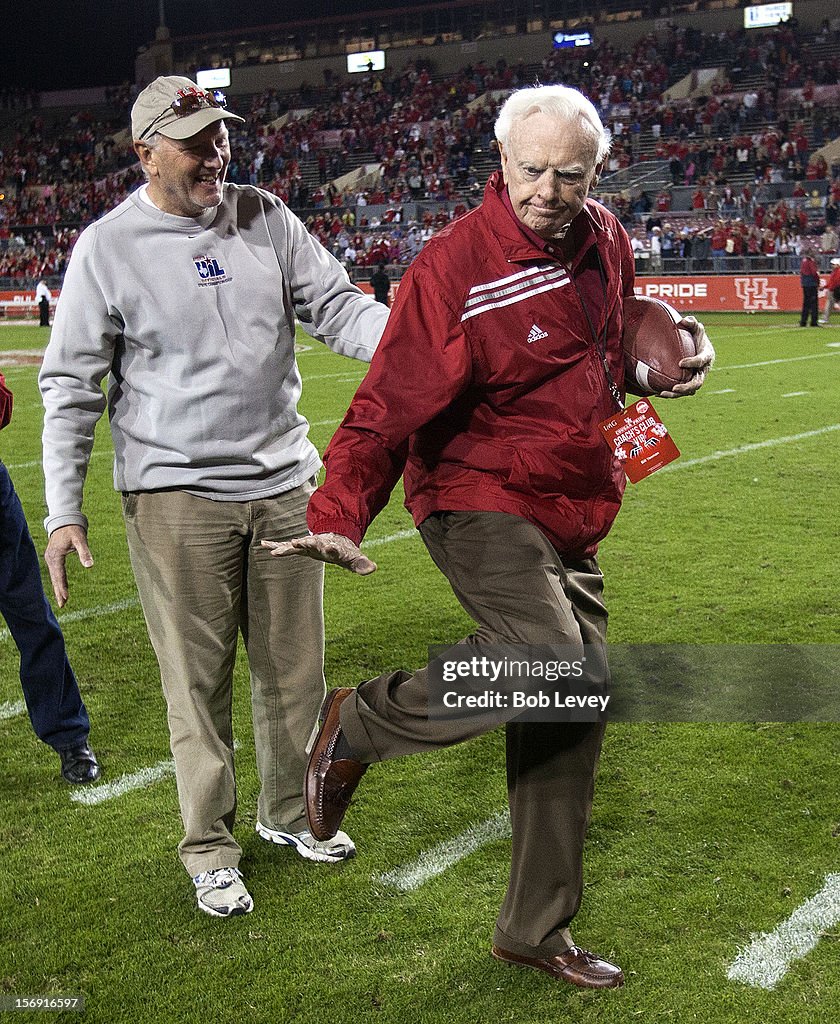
(517,240)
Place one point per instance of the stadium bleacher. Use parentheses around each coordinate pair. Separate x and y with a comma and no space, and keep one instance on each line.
(720,138)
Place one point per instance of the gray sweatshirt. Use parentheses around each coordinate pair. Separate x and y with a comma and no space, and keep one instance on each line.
(195,323)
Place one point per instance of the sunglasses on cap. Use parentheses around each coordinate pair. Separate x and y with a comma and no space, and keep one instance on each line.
(190,102)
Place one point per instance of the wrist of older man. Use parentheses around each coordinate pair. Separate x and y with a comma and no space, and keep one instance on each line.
(343,527)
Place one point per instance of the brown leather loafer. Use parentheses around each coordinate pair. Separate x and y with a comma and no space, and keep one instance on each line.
(329,784)
(575,965)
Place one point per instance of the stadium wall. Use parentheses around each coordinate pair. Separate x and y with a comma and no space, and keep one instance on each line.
(745,293)
(748,293)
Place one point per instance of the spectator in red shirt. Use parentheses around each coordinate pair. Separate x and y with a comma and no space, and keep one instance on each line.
(809,277)
(718,247)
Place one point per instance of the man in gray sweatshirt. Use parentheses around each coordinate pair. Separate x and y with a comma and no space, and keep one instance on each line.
(185,297)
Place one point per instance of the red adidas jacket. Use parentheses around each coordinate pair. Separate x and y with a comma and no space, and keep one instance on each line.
(487,388)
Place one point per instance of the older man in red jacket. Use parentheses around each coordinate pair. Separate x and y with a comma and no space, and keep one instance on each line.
(501,357)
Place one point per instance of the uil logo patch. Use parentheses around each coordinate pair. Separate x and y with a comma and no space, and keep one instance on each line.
(209,272)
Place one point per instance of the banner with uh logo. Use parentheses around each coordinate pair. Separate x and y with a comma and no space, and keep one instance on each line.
(730,293)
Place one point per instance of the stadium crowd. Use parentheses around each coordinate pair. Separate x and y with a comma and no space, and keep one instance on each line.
(744,180)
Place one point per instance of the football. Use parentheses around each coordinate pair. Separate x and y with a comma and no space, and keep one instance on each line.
(654,346)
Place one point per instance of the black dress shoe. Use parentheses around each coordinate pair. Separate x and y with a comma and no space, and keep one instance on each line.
(79,764)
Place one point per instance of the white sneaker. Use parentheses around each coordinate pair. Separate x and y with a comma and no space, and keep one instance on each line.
(329,851)
(220,893)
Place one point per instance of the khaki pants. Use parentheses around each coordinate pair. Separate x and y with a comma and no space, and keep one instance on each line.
(203,577)
(516,586)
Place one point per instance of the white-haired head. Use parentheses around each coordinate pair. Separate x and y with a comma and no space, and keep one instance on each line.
(558,101)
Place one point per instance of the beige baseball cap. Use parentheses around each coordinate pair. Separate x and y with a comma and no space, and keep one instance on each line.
(177,108)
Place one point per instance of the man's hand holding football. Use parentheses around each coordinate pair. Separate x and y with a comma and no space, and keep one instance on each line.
(700,362)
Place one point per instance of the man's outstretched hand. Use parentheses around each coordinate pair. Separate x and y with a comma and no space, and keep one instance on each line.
(325,547)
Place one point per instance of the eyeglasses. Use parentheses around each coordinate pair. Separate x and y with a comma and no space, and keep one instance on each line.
(190,102)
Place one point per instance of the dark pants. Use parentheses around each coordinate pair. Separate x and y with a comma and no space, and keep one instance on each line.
(44,312)
(50,689)
(516,586)
(810,305)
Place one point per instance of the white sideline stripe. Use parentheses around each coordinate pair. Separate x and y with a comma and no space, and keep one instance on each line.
(39,462)
(441,857)
(773,362)
(402,535)
(103,609)
(795,394)
(744,448)
(765,961)
(125,784)
(343,375)
(11,709)
(87,613)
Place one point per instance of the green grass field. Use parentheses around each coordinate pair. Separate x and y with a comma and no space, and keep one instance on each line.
(702,835)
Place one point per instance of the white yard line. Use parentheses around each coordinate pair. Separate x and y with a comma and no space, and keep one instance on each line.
(128,783)
(39,462)
(766,960)
(358,375)
(723,391)
(103,609)
(744,448)
(402,535)
(11,709)
(125,784)
(773,362)
(87,613)
(796,394)
(442,856)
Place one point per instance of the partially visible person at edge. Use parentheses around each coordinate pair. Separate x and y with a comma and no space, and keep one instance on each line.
(502,355)
(50,690)
(832,290)
(381,284)
(43,296)
(186,294)
(809,278)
